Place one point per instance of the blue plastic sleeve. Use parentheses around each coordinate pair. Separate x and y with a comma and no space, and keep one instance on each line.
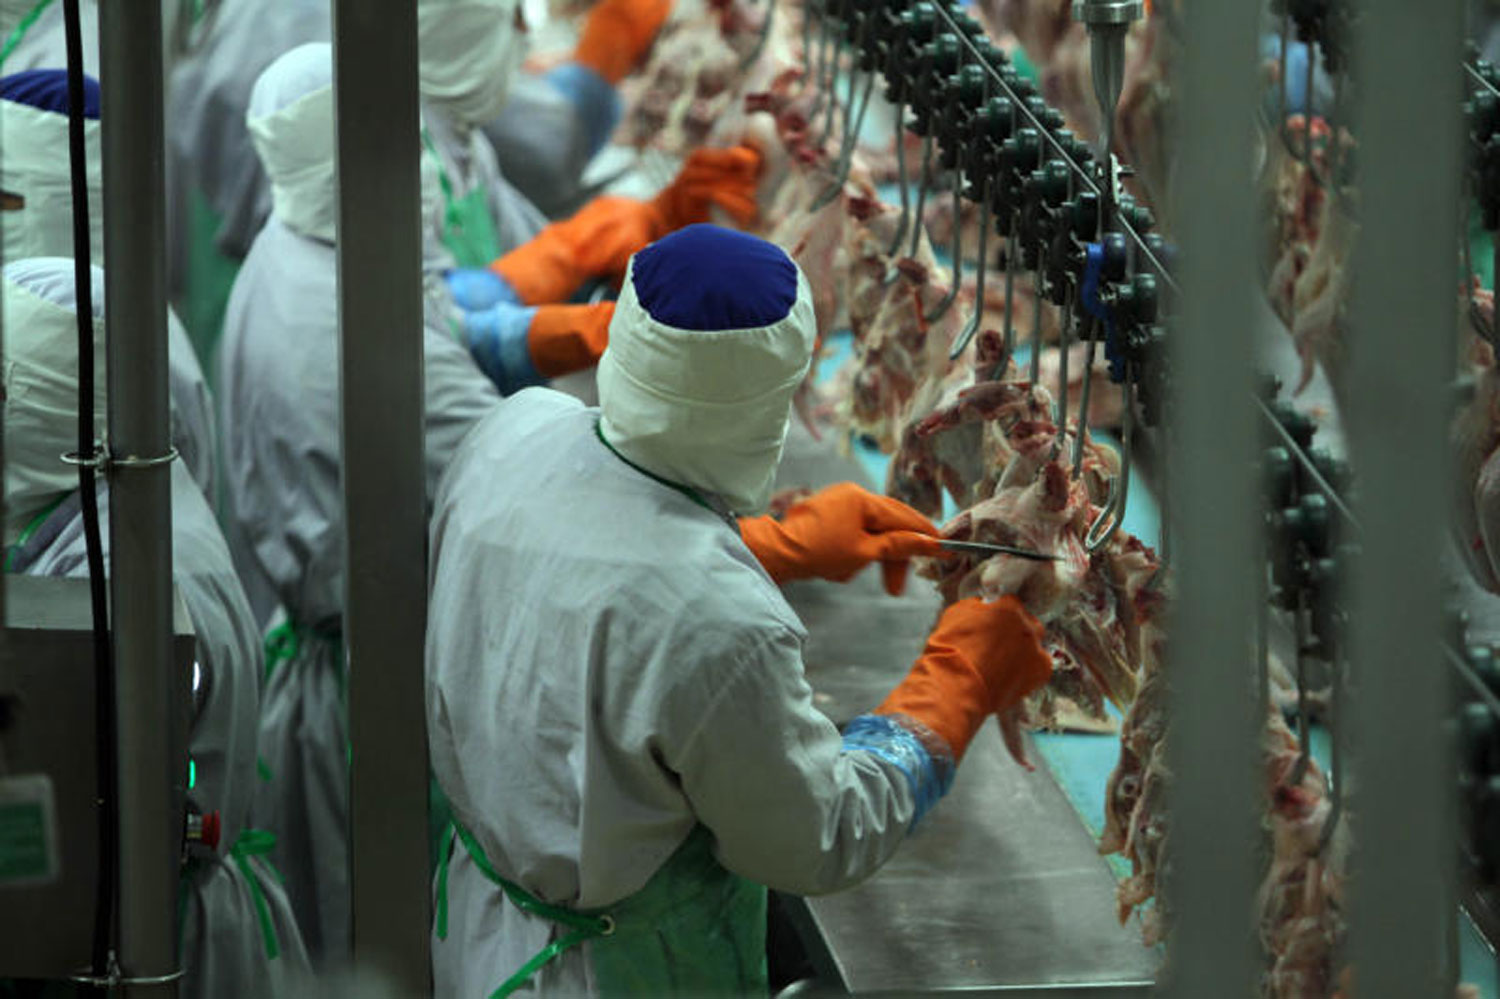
(1088,295)
(477,288)
(593,98)
(929,773)
(497,339)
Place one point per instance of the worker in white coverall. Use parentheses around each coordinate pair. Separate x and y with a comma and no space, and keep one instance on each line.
(279,378)
(237,933)
(616,702)
(38,222)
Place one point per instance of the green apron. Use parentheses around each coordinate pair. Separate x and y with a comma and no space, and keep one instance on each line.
(468,226)
(694,929)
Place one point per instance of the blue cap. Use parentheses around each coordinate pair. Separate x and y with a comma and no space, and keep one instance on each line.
(47,90)
(708,278)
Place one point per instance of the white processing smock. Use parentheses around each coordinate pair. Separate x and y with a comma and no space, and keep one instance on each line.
(608,666)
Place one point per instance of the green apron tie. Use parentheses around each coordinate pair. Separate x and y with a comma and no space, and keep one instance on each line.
(282,645)
(32,527)
(585,927)
(19,32)
(468,227)
(693,929)
(257,843)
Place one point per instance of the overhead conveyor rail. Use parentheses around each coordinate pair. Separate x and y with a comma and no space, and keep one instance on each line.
(1060,208)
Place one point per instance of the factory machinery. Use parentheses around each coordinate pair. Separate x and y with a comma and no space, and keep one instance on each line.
(1003,893)
(1070,231)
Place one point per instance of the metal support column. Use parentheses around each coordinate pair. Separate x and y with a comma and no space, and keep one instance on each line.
(1215,798)
(140,512)
(380,336)
(1400,357)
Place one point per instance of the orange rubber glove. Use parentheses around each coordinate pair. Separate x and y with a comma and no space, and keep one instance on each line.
(981,659)
(567,338)
(835,533)
(618,34)
(598,240)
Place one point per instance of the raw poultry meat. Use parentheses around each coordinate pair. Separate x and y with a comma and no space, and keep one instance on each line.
(693,76)
(1091,604)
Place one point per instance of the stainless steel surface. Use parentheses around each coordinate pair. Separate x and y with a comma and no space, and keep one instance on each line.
(1409,132)
(140,510)
(47,678)
(380,357)
(1215,799)
(1001,885)
(980,548)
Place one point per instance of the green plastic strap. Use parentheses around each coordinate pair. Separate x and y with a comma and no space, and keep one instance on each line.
(546,954)
(585,927)
(282,645)
(33,526)
(442,882)
(687,491)
(14,38)
(257,843)
(263,770)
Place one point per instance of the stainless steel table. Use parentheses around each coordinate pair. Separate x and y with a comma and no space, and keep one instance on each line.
(1001,888)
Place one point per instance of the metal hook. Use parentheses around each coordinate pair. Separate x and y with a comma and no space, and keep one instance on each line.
(1335,758)
(972,327)
(820,73)
(923,180)
(900,129)
(1114,508)
(832,106)
(1083,405)
(1010,293)
(1304,759)
(760,43)
(957,253)
(846,150)
(1036,319)
(1060,401)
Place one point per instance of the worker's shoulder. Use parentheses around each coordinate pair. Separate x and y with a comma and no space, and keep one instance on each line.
(728,597)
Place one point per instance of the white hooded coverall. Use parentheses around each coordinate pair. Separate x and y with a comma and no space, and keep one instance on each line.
(280,420)
(235,914)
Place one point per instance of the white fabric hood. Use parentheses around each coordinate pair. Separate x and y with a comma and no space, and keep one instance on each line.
(468,53)
(41,384)
(290,119)
(34,164)
(708,408)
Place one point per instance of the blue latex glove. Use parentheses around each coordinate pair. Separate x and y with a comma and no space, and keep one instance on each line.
(477,288)
(497,340)
(593,99)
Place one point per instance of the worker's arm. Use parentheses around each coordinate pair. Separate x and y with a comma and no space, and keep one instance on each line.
(554,123)
(517,346)
(795,806)
(836,532)
(597,242)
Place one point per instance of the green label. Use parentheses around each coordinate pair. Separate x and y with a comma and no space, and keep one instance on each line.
(23,842)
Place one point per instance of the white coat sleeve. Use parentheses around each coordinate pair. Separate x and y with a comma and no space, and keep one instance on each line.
(767,773)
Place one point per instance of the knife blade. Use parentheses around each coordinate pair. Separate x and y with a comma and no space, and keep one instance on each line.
(981,548)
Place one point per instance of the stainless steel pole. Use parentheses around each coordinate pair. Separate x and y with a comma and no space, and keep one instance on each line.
(1213,743)
(1400,358)
(380,336)
(140,512)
